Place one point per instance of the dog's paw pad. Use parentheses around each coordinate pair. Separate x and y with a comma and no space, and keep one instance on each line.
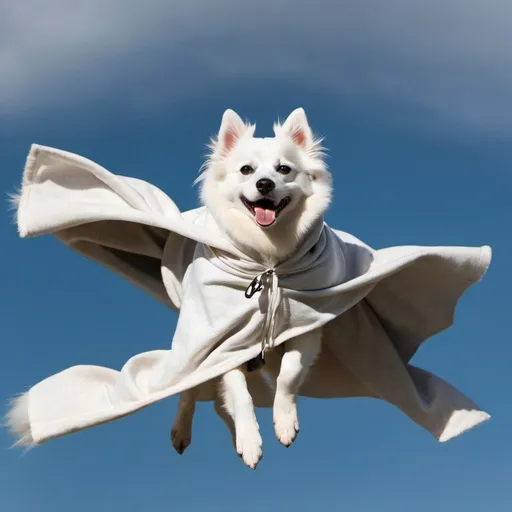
(249,446)
(181,438)
(286,425)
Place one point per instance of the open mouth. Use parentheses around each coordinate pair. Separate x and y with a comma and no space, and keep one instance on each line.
(265,211)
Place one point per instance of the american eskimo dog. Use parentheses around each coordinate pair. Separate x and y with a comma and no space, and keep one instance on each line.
(266,194)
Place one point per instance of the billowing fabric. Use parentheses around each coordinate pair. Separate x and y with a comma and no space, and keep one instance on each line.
(376,307)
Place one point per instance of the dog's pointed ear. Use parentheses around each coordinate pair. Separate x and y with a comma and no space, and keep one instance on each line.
(297,127)
(231,129)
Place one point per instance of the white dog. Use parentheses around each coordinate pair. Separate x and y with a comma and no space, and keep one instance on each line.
(266,194)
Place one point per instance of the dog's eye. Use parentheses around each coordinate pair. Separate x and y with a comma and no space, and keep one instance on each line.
(246,169)
(283,169)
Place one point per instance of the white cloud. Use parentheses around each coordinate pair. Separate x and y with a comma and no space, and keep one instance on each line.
(449,58)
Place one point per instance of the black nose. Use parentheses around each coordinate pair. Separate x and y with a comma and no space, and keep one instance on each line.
(265,186)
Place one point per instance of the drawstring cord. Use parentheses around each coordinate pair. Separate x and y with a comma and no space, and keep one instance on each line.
(268,277)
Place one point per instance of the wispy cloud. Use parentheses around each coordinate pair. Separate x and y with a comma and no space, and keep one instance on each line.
(450,58)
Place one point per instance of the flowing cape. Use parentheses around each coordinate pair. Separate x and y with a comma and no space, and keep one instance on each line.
(375,307)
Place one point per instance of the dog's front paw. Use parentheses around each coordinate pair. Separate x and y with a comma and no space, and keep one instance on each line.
(181,435)
(286,421)
(249,444)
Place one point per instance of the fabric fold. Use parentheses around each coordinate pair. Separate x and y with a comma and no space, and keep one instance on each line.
(375,307)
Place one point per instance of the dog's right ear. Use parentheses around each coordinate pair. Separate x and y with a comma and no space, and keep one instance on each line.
(297,128)
(231,129)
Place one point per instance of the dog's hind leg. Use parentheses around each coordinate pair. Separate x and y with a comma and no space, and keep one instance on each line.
(225,417)
(240,407)
(181,432)
(299,354)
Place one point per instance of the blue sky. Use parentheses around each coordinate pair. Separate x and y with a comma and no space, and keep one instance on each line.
(414,101)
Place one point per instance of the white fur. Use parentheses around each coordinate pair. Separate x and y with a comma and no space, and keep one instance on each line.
(309,183)
(14,198)
(17,421)
(239,406)
(300,354)
(222,185)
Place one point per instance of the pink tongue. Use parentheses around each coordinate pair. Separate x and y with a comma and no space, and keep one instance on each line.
(264,217)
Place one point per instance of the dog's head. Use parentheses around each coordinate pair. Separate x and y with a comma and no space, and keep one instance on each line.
(266,193)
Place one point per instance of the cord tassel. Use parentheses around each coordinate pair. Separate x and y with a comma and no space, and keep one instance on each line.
(267,278)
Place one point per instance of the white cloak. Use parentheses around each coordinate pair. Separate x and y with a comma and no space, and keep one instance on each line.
(376,307)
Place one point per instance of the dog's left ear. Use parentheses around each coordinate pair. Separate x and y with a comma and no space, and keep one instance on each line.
(231,129)
(297,127)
